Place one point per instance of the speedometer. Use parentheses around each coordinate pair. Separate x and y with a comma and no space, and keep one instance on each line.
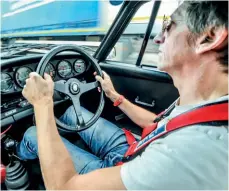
(6,82)
(80,66)
(50,70)
(64,68)
(21,75)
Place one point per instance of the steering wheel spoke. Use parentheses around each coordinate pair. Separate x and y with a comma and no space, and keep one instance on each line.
(88,86)
(79,116)
(60,86)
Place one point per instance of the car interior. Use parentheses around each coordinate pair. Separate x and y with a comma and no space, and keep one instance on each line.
(141,84)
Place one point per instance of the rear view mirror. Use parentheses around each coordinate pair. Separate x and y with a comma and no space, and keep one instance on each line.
(116,2)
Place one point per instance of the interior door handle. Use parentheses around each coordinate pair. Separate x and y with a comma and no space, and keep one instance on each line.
(144,103)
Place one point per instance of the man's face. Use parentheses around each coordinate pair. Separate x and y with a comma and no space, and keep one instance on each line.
(174,48)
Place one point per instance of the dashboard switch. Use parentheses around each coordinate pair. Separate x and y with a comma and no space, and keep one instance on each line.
(23,104)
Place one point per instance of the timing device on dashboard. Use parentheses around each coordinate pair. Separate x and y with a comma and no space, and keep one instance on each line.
(14,106)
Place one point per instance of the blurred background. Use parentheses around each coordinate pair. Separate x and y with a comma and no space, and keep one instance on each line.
(82,22)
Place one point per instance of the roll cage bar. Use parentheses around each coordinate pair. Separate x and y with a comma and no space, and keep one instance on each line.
(121,21)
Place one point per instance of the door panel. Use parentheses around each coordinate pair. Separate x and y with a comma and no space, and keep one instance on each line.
(146,84)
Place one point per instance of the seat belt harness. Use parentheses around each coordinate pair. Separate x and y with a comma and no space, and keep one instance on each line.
(217,112)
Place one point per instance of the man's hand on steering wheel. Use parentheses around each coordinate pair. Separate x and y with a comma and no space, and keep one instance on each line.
(107,86)
(39,91)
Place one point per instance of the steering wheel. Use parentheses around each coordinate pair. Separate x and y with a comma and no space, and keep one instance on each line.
(73,88)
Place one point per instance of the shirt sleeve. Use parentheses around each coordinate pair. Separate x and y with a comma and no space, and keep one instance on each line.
(186,160)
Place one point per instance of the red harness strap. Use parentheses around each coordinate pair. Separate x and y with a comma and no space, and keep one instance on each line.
(209,113)
(148,130)
(3,173)
(129,137)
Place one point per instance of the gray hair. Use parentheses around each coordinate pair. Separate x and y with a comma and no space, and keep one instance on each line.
(200,15)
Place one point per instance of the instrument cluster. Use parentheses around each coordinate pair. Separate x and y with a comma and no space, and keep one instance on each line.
(14,80)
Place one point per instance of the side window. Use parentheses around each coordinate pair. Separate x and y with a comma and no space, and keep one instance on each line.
(129,45)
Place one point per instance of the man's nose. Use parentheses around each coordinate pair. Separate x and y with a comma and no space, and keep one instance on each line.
(159,38)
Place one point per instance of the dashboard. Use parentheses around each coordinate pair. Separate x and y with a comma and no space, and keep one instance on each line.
(13,78)
(14,73)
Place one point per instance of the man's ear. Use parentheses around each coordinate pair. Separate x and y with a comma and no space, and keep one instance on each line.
(213,39)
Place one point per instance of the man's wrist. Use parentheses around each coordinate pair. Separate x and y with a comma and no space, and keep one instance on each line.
(114,96)
(44,112)
(46,104)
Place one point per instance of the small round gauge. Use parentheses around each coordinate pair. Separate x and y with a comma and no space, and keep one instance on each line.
(6,82)
(50,70)
(64,68)
(21,75)
(80,66)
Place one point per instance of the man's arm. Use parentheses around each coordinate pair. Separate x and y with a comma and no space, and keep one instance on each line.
(102,179)
(56,164)
(138,115)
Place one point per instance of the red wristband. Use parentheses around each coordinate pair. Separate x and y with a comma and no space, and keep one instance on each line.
(119,100)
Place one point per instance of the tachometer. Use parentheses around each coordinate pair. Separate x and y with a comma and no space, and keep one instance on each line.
(6,82)
(80,66)
(50,70)
(21,75)
(64,68)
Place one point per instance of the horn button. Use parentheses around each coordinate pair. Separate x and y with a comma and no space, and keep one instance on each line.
(74,88)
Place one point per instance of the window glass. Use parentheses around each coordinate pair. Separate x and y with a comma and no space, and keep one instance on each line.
(129,45)
(65,22)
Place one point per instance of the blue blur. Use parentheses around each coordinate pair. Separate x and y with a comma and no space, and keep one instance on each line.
(55,15)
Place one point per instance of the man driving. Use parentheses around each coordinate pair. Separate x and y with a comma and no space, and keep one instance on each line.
(194,52)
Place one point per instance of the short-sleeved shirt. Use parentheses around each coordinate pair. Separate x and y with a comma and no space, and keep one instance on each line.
(194,157)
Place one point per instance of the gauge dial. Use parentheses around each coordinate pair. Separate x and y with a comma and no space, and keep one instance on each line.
(21,75)
(6,82)
(80,66)
(64,68)
(50,70)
